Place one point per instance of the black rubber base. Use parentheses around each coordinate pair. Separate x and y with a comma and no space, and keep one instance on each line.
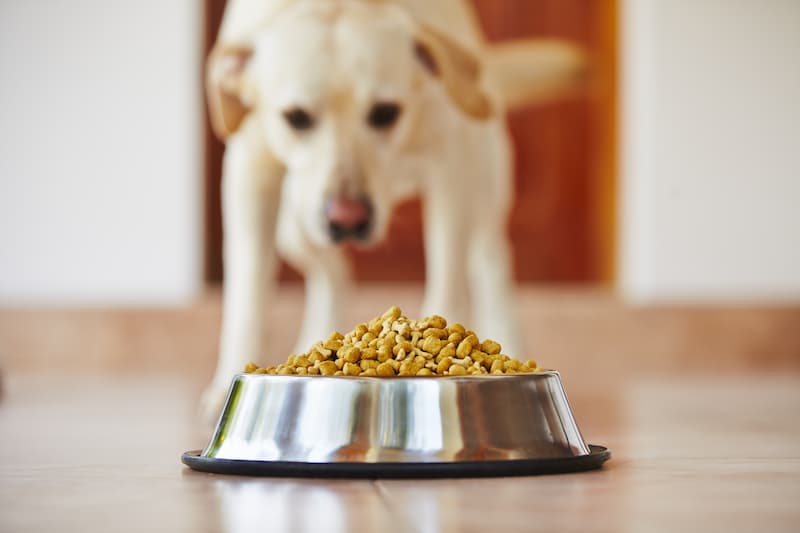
(516,467)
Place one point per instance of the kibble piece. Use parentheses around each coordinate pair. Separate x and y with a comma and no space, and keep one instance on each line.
(335,336)
(250,367)
(432,345)
(444,364)
(302,361)
(455,338)
(473,339)
(315,357)
(490,347)
(404,346)
(368,363)
(408,367)
(351,355)
(390,339)
(457,370)
(351,369)
(437,322)
(435,332)
(384,353)
(464,348)
(393,313)
(328,368)
(401,328)
(374,326)
(489,361)
(369,372)
(457,328)
(449,350)
(424,372)
(478,356)
(332,344)
(321,349)
(385,369)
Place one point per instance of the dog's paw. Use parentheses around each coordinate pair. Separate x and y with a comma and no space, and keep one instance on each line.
(211,402)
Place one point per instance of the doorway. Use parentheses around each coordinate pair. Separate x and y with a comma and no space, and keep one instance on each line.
(563,222)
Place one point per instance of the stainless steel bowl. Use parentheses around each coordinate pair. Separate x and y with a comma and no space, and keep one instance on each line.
(373,420)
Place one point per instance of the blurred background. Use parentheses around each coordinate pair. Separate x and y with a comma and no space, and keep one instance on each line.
(655,226)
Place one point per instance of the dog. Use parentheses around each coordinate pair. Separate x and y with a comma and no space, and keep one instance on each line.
(333,112)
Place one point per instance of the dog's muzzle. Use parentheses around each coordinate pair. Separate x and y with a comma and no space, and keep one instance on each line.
(348,218)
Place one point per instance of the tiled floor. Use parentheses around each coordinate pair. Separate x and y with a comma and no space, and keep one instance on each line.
(699,406)
(101,453)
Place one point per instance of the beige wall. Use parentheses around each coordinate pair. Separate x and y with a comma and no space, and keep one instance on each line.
(99,150)
(710,149)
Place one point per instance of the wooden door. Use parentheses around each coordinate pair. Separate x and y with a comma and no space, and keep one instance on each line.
(562,224)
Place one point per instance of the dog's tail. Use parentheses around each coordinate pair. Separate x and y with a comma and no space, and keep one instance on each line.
(530,71)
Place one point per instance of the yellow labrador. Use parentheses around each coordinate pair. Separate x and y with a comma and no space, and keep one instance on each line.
(334,111)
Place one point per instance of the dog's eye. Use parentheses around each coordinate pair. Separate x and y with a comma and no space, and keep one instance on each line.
(298,119)
(383,115)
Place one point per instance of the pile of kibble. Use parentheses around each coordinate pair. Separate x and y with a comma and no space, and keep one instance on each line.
(393,345)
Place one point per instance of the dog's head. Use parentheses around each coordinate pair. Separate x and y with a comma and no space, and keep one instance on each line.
(344,94)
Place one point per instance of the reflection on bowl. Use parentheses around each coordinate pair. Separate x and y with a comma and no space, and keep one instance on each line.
(396,420)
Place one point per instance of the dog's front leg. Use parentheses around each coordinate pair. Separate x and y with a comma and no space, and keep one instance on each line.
(446,246)
(492,285)
(326,283)
(324,268)
(490,252)
(250,195)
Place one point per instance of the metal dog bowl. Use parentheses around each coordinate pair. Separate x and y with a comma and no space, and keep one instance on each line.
(316,426)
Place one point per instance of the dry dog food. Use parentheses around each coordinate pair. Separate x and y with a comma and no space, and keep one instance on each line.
(393,345)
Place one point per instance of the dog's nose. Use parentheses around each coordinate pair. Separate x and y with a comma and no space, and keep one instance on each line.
(348,217)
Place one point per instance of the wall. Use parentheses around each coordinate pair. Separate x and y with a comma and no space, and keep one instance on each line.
(710,150)
(99,137)
(99,151)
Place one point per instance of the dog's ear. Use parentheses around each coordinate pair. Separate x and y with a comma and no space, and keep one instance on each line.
(457,68)
(224,72)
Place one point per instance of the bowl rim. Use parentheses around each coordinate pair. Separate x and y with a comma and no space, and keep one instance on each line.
(522,375)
